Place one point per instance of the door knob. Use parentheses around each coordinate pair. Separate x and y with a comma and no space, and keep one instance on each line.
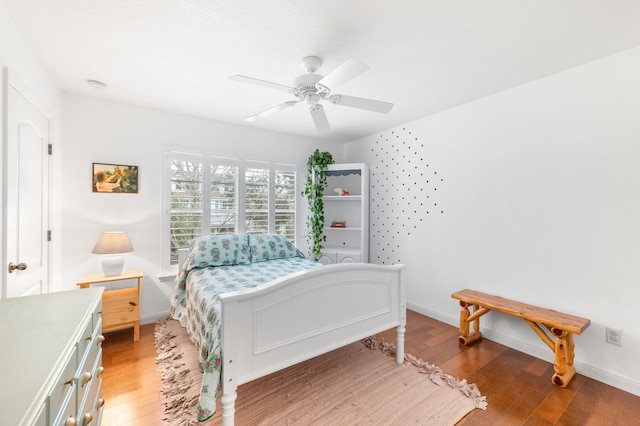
(19,267)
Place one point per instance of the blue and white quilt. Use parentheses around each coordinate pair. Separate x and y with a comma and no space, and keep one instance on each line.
(195,303)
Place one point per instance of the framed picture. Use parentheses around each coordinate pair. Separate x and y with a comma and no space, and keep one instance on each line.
(114,178)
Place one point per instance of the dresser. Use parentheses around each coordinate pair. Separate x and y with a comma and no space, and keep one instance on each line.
(51,359)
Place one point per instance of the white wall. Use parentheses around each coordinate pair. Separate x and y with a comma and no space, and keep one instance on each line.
(532,194)
(109,132)
(17,56)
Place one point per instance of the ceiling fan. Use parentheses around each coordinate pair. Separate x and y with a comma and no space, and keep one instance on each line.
(313,88)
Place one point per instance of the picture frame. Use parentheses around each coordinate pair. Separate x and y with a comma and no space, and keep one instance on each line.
(114,178)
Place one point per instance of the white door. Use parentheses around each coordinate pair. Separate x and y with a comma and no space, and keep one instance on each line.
(27,187)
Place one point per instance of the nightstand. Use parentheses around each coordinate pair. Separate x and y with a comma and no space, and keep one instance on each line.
(120,307)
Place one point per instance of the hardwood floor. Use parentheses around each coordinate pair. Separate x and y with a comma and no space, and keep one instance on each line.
(130,383)
(517,386)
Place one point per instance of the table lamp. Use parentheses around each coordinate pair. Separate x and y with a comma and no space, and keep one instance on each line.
(112,244)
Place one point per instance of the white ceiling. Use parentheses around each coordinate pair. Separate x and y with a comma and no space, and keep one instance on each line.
(424,55)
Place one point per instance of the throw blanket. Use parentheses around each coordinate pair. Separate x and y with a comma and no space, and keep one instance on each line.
(195,303)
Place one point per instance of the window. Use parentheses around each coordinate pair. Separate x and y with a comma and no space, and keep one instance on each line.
(212,195)
(223,194)
(285,203)
(256,187)
(186,203)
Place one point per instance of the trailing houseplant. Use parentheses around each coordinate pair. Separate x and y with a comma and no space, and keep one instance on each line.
(313,189)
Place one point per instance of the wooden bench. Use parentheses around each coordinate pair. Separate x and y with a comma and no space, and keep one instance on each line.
(561,326)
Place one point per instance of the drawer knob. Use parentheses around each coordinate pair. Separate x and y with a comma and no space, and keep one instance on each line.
(86,419)
(86,376)
(71,421)
(100,403)
(100,339)
(100,370)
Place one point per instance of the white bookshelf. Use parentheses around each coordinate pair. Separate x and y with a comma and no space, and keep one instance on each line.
(351,243)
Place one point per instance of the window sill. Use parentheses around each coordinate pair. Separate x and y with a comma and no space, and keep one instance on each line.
(168,277)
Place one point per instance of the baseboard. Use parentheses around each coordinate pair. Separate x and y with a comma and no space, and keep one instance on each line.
(447,319)
(151,318)
(607,377)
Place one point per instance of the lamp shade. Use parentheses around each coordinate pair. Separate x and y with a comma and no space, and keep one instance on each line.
(112,243)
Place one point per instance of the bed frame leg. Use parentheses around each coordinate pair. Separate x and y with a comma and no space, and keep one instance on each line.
(228,401)
(400,344)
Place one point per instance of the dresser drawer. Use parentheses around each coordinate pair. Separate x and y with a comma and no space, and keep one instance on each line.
(99,405)
(62,401)
(84,343)
(87,411)
(66,410)
(97,315)
(88,373)
(88,346)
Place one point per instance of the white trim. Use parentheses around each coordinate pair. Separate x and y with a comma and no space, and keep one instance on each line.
(271,202)
(151,318)
(167,277)
(166,215)
(241,225)
(4,132)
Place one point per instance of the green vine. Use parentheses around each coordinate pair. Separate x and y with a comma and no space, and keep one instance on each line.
(313,190)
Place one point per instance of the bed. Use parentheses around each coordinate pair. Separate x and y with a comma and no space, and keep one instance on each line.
(253,305)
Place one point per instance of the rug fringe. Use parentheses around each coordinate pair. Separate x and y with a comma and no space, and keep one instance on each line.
(435,374)
(179,405)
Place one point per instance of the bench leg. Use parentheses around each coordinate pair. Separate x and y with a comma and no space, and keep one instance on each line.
(564,353)
(467,337)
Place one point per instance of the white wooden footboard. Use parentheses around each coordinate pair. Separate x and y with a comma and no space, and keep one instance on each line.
(304,315)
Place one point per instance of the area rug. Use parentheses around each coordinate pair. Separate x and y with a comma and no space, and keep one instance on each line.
(356,384)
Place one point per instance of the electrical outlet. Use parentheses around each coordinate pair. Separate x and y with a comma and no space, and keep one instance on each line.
(614,336)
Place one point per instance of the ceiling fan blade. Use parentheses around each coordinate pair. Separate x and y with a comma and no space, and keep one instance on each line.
(362,103)
(251,80)
(271,110)
(319,118)
(346,71)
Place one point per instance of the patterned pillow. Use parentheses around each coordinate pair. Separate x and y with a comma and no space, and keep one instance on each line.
(271,246)
(219,250)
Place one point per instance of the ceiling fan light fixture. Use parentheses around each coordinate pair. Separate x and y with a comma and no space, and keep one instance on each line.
(313,88)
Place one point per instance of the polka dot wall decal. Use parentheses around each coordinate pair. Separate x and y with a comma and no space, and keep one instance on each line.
(399,188)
